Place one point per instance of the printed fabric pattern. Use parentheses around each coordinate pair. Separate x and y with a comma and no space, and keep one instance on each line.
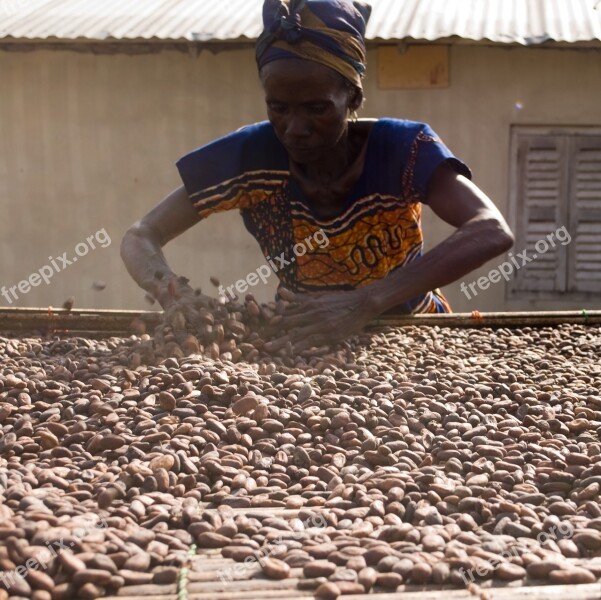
(378,231)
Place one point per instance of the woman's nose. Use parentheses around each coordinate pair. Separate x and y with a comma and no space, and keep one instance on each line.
(297,127)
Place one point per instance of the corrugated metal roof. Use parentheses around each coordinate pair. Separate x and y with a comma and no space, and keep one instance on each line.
(503,21)
(500,21)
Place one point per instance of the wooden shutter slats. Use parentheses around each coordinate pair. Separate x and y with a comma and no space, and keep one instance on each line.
(584,264)
(542,180)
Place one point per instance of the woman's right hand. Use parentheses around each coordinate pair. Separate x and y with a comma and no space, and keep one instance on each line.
(182,304)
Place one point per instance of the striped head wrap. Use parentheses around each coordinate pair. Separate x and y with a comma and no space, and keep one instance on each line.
(329,32)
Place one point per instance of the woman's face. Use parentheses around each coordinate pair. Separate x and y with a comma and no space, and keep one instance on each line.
(308,106)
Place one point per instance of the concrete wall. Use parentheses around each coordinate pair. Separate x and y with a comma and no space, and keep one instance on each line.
(88,144)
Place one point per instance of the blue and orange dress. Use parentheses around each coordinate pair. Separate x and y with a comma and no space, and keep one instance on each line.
(378,231)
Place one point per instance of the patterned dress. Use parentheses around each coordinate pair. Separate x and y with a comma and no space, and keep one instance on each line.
(378,231)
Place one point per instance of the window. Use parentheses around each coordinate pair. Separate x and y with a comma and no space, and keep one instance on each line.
(556,187)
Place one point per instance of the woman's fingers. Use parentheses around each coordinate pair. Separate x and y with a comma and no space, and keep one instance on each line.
(177,320)
(193,318)
(281,323)
(306,343)
(310,332)
(299,320)
(313,340)
(286,294)
(298,345)
(298,309)
(303,338)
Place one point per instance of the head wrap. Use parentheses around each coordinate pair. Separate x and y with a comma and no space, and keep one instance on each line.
(329,32)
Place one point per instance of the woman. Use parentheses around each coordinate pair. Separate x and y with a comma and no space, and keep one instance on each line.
(313,166)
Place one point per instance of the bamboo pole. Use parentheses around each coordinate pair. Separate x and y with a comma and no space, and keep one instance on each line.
(120,322)
(494,319)
(76,321)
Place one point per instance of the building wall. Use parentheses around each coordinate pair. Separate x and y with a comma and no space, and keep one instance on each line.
(88,144)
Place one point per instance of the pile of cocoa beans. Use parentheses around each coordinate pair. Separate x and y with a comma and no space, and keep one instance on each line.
(417,455)
(231,331)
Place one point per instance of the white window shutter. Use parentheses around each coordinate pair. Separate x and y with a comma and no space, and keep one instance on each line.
(543,185)
(584,251)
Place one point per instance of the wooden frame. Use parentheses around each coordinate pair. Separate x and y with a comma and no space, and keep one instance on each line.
(106,323)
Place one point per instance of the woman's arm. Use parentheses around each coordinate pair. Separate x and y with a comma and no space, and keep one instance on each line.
(141,245)
(141,252)
(482,234)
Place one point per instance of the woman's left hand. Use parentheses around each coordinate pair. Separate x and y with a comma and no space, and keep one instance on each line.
(323,318)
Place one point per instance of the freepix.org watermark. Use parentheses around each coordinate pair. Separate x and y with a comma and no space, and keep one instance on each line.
(265,271)
(515,263)
(57,264)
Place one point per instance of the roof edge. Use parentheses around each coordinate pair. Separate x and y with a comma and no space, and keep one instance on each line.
(244,41)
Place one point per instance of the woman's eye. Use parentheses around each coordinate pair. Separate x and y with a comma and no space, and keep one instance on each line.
(317,109)
(277,108)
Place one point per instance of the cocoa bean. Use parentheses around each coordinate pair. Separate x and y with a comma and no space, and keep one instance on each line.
(570,576)
(319,568)
(327,591)
(275,568)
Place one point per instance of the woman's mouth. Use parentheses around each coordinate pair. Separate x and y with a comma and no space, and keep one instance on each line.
(303,152)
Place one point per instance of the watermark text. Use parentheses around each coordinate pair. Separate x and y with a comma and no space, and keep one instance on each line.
(57,264)
(506,269)
(265,271)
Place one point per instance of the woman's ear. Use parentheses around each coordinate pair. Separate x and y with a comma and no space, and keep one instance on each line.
(356,101)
